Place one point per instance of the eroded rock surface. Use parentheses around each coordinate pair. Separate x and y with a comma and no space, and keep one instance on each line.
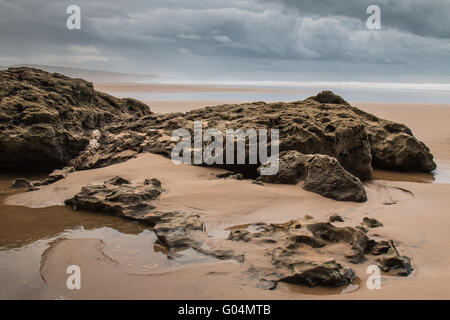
(322,174)
(56,175)
(50,121)
(23,183)
(175,230)
(295,250)
(392,261)
(46,119)
(118,196)
(371,222)
(309,127)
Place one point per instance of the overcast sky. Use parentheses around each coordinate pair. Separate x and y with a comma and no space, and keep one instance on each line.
(319,40)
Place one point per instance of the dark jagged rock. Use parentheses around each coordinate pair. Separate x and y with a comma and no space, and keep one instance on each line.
(325,176)
(393,261)
(23,183)
(294,268)
(46,119)
(336,218)
(322,174)
(292,166)
(117,197)
(56,175)
(175,230)
(392,144)
(179,231)
(371,222)
(295,255)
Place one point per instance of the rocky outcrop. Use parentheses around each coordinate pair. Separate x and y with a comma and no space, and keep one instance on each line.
(118,196)
(179,230)
(325,176)
(295,253)
(293,267)
(393,145)
(392,261)
(305,126)
(176,230)
(46,119)
(322,174)
(337,130)
(50,121)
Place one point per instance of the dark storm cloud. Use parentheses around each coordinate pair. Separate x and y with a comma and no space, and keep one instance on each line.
(263,38)
(421,17)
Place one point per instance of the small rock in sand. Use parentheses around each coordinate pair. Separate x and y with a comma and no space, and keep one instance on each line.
(371,222)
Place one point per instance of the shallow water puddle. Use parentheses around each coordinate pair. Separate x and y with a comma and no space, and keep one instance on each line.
(26,233)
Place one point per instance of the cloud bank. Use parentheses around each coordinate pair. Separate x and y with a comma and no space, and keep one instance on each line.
(308,40)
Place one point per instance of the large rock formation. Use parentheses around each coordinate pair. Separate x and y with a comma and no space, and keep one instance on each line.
(340,131)
(49,121)
(46,119)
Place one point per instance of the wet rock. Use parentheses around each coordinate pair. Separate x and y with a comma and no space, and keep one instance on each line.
(294,240)
(178,230)
(393,261)
(239,235)
(153,181)
(325,176)
(292,168)
(117,197)
(46,119)
(266,284)
(294,268)
(380,247)
(393,145)
(336,218)
(328,232)
(117,181)
(296,256)
(23,183)
(371,222)
(56,175)
(322,174)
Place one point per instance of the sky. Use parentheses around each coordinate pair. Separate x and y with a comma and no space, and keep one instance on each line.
(235,40)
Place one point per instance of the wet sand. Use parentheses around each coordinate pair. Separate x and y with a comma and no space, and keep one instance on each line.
(122,259)
(414,214)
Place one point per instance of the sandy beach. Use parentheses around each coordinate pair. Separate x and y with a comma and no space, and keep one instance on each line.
(412,206)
